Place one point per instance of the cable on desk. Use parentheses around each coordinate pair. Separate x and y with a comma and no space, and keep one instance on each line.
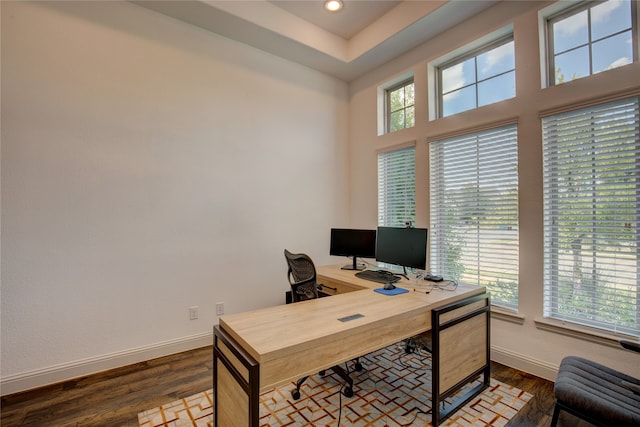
(369,263)
(445,285)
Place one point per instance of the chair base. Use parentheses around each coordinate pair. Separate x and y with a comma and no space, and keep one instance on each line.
(347,390)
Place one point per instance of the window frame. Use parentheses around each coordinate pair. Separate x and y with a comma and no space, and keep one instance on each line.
(472,53)
(387,104)
(572,10)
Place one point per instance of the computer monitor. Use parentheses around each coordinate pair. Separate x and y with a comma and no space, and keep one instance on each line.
(406,247)
(353,243)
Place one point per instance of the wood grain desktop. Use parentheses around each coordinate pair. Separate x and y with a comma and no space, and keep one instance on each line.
(259,350)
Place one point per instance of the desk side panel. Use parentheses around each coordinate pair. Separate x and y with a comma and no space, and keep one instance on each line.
(235,388)
(463,349)
(232,406)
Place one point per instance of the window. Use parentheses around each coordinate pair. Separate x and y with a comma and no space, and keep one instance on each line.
(397,187)
(400,106)
(482,77)
(474,211)
(590,39)
(591,216)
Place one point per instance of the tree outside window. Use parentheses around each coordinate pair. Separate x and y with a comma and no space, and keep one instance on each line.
(591,213)
(401,106)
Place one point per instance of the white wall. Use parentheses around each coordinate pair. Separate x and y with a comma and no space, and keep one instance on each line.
(520,345)
(149,166)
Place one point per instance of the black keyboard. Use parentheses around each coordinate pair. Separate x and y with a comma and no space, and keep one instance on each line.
(379,276)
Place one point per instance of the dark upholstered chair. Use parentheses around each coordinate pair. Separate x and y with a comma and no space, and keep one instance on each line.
(597,394)
(302,278)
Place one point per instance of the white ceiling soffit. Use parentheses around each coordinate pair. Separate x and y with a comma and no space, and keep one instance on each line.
(273,29)
(354,17)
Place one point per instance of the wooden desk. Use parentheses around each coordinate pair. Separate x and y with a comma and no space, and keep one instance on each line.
(259,350)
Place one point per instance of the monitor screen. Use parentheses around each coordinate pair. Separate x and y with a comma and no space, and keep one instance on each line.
(353,243)
(406,247)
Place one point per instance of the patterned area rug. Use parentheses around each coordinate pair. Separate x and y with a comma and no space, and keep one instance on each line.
(393,390)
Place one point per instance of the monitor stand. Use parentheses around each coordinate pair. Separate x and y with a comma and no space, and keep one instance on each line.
(354,266)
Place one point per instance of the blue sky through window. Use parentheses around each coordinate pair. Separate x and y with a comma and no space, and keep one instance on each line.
(479,80)
(592,40)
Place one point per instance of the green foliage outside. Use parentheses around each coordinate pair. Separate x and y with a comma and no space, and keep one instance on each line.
(593,231)
(401,106)
(465,227)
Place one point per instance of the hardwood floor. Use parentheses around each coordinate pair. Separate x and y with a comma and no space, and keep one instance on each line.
(114,398)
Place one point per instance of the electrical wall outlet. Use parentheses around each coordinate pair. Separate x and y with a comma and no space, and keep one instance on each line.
(193,312)
(219,309)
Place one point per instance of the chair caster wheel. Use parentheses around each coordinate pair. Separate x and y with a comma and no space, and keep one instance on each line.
(348,391)
(358,366)
(295,394)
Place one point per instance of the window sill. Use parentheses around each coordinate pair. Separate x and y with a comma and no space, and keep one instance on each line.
(506,315)
(582,332)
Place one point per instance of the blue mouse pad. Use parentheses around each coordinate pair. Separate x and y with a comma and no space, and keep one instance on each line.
(395,291)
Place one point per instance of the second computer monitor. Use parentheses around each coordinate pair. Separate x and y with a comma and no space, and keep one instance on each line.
(406,247)
(353,243)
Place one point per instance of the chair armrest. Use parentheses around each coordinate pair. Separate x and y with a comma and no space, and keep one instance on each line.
(630,345)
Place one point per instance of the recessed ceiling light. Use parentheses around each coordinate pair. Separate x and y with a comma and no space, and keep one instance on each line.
(333,5)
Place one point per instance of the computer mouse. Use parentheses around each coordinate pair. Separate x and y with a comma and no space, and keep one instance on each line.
(389,286)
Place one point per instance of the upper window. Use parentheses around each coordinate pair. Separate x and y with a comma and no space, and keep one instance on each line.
(397,187)
(481,77)
(591,38)
(400,106)
(591,212)
(474,211)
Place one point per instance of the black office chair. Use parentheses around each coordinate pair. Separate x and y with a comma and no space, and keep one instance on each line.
(302,278)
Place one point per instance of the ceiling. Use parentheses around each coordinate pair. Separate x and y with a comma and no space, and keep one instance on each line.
(362,36)
(354,17)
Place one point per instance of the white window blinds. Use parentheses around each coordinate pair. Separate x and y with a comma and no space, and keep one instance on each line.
(591,216)
(474,211)
(397,187)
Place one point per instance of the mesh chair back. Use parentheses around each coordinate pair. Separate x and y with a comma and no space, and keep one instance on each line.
(302,276)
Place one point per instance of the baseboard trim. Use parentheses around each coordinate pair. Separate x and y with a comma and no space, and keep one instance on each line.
(42,377)
(524,363)
(66,371)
